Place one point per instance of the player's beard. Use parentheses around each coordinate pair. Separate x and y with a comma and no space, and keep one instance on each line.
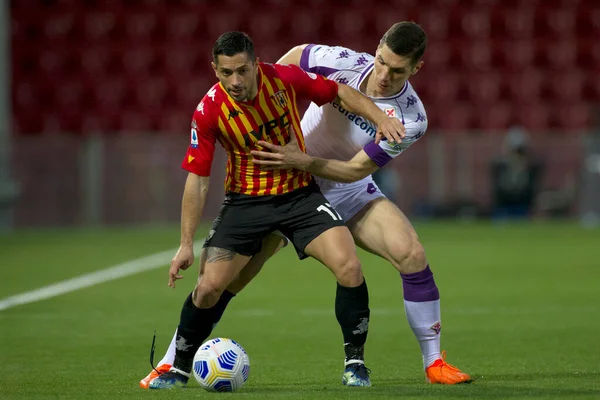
(238,94)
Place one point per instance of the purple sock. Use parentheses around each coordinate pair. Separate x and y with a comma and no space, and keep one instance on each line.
(420,286)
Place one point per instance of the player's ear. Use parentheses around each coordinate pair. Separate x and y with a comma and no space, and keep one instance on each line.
(417,67)
(214,67)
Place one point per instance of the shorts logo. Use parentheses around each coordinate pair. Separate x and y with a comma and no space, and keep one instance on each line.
(390,112)
(280,99)
(437,327)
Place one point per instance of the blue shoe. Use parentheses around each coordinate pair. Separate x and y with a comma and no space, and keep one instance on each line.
(356,374)
(169,380)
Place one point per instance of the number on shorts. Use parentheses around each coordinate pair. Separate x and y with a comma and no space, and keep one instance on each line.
(330,210)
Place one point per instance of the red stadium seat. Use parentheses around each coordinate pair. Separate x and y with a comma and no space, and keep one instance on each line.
(189,93)
(138,60)
(573,116)
(497,116)
(435,22)
(438,56)
(99,26)
(519,22)
(96,60)
(150,93)
(534,117)
(445,88)
(485,88)
(518,55)
(567,86)
(477,55)
(141,26)
(476,23)
(174,121)
(182,26)
(455,117)
(133,120)
(560,22)
(111,94)
(559,54)
(526,86)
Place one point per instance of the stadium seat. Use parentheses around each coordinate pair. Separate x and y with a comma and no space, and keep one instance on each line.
(559,54)
(457,118)
(141,26)
(519,22)
(572,116)
(560,22)
(496,116)
(445,88)
(517,54)
(99,26)
(526,86)
(485,88)
(567,86)
(182,26)
(435,22)
(535,117)
(477,55)
(475,23)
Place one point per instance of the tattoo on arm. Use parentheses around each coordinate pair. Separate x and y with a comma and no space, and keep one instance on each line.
(215,254)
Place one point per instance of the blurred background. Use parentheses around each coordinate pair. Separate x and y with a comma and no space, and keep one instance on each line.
(96,99)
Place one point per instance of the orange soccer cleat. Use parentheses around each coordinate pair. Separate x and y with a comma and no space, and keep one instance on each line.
(442,372)
(153,374)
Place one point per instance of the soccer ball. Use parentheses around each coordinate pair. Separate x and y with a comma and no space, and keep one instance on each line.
(221,365)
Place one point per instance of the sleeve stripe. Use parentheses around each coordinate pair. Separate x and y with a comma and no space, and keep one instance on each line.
(377,154)
(304,59)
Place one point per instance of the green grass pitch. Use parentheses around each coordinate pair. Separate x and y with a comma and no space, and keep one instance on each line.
(520,307)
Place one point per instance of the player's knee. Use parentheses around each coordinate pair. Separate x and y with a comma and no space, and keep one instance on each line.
(207,294)
(414,259)
(349,272)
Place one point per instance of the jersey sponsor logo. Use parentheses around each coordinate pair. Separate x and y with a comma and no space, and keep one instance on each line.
(200,107)
(390,112)
(358,121)
(280,99)
(265,130)
(194,137)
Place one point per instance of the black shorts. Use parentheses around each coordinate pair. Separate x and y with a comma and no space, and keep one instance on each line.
(244,220)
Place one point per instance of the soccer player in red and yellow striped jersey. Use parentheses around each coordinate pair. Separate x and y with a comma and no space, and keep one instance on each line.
(238,124)
(255,101)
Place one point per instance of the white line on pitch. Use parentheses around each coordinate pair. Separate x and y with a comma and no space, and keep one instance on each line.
(122,270)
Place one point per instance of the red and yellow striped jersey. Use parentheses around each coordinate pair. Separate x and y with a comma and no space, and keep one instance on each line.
(238,126)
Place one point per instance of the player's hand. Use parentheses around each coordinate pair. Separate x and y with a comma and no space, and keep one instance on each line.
(392,129)
(281,157)
(182,261)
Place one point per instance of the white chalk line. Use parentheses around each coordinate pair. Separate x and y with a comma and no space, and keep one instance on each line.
(111,273)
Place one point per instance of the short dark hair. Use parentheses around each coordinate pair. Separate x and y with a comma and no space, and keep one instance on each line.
(232,43)
(406,39)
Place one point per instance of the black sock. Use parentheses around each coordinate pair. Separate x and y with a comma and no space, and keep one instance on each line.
(195,325)
(352,312)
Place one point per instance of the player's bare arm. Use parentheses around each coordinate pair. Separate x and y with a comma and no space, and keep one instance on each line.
(354,101)
(293,56)
(192,205)
(290,156)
